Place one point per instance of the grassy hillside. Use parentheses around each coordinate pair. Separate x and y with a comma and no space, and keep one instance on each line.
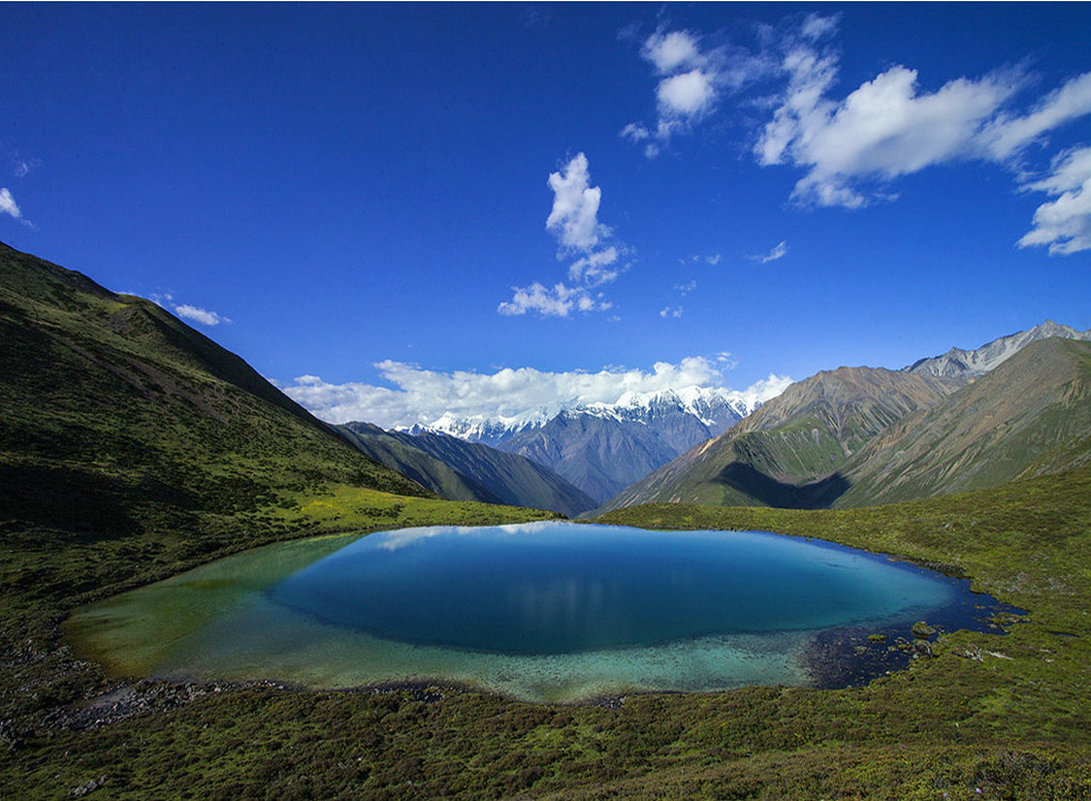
(131,446)
(425,469)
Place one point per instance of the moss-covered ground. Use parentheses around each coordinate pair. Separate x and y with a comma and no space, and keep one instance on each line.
(988,717)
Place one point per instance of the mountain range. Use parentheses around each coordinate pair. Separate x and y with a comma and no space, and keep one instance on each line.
(685,444)
(959,363)
(460,470)
(860,436)
(603,447)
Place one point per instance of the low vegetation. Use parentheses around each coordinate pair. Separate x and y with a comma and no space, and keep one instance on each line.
(988,717)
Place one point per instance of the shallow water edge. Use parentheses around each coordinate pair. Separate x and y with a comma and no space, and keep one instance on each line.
(199,626)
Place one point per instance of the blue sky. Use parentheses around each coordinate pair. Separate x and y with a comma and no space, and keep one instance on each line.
(489,207)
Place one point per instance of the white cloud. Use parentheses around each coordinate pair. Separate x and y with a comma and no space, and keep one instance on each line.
(671,51)
(1065,223)
(765,390)
(556,302)
(422,396)
(574,218)
(686,288)
(202,316)
(685,95)
(591,269)
(1007,135)
(883,129)
(8,204)
(778,252)
(714,259)
(727,360)
(670,311)
(887,127)
(574,221)
(816,26)
(690,82)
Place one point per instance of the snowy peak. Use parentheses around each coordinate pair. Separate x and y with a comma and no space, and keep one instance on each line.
(477,428)
(959,363)
(715,408)
(711,408)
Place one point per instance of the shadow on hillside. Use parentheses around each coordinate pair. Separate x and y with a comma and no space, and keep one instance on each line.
(769,491)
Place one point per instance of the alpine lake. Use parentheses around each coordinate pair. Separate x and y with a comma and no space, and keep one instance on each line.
(544,612)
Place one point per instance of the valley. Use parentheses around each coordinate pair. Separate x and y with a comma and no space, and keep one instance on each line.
(134,448)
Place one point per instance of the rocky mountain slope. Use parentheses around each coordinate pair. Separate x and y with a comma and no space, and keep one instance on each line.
(860,436)
(1030,415)
(601,448)
(959,363)
(791,451)
(462,470)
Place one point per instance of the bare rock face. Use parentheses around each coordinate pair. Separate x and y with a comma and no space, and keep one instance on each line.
(959,363)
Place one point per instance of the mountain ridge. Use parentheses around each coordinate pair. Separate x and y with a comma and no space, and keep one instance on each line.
(1028,415)
(463,470)
(789,452)
(602,447)
(971,363)
(829,441)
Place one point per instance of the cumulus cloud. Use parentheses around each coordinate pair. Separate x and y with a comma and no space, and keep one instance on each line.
(765,390)
(1063,224)
(559,301)
(671,51)
(685,95)
(574,217)
(852,149)
(670,311)
(690,82)
(581,237)
(202,316)
(422,396)
(8,205)
(885,128)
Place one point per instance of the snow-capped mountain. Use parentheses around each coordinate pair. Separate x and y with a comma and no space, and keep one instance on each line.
(602,447)
(959,363)
(714,408)
(478,428)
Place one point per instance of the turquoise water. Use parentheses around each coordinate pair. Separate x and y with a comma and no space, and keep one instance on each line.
(542,611)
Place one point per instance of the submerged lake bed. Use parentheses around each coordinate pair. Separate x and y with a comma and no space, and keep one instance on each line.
(550,611)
